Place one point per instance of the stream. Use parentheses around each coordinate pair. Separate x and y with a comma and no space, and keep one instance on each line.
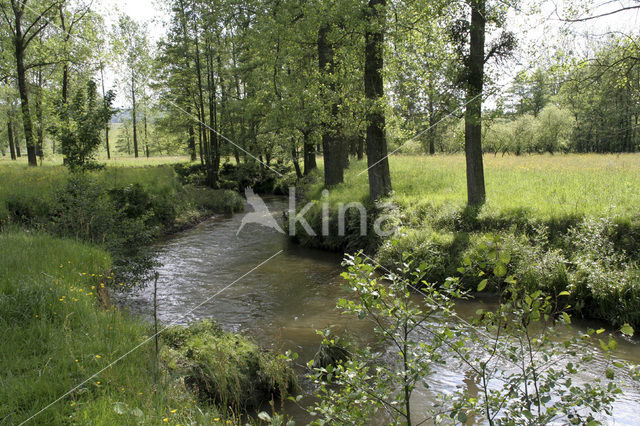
(282,303)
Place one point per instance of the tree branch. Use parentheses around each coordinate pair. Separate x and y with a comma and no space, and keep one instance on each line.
(589,18)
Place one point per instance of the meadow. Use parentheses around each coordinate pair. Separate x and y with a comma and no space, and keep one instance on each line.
(543,186)
(569,223)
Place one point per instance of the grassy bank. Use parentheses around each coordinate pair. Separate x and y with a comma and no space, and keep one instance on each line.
(29,194)
(65,240)
(55,335)
(565,223)
(122,209)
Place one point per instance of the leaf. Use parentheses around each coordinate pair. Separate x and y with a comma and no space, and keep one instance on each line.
(627,330)
(500,270)
(610,374)
(504,257)
(482,285)
(462,417)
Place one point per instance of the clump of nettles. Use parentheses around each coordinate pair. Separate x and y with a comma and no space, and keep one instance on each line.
(225,368)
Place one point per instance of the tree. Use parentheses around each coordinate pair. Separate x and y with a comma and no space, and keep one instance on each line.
(421,66)
(531,92)
(82,121)
(333,165)
(469,39)
(602,92)
(132,45)
(473,116)
(377,158)
(26,20)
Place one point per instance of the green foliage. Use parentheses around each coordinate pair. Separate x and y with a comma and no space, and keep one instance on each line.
(602,94)
(213,200)
(604,282)
(528,376)
(550,131)
(79,126)
(354,390)
(519,368)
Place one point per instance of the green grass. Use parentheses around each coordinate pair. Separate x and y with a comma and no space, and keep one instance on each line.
(29,193)
(54,336)
(116,160)
(544,186)
(570,222)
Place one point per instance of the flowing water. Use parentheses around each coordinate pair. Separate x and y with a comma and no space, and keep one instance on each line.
(208,272)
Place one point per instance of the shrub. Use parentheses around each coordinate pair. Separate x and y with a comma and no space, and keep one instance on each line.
(519,373)
(436,251)
(604,283)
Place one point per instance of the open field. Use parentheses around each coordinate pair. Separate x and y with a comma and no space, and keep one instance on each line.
(542,186)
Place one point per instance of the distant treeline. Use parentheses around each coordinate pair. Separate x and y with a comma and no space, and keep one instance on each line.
(590,105)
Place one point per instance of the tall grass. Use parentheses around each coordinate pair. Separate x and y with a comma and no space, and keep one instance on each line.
(54,337)
(544,186)
(29,194)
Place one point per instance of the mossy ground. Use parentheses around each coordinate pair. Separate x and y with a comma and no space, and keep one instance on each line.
(225,368)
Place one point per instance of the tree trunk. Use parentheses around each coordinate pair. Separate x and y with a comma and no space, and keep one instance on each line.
(24,95)
(200,148)
(192,143)
(294,159)
(473,115)
(309,154)
(39,117)
(361,141)
(12,146)
(146,135)
(202,134)
(134,118)
(333,161)
(377,159)
(431,133)
(213,148)
(106,127)
(65,83)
